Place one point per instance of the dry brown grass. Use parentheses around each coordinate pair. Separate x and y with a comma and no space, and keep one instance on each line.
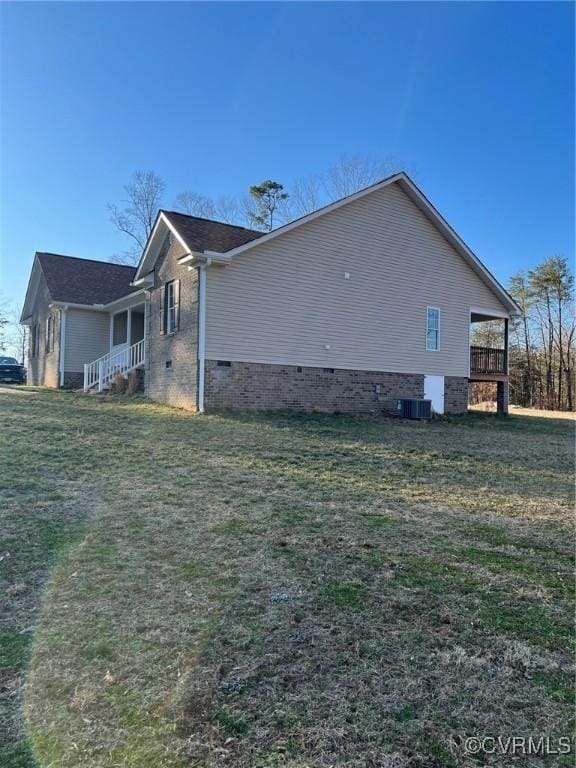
(516,410)
(295,590)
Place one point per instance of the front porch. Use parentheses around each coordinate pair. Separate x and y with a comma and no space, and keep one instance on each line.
(126,348)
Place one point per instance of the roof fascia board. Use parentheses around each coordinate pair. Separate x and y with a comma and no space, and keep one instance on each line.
(206,257)
(456,241)
(76,305)
(97,307)
(146,282)
(492,313)
(144,268)
(31,290)
(127,297)
(174,231)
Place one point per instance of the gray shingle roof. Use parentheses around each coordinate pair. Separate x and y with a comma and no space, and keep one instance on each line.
(85,281)
(207,235)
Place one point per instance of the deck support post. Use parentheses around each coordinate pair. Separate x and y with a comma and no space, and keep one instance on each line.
(502,397)
(506,324)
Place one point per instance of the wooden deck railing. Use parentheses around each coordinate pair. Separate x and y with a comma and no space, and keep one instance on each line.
(487,360)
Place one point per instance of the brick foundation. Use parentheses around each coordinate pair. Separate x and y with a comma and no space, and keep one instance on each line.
(259,386)
(455,394)
(73,380)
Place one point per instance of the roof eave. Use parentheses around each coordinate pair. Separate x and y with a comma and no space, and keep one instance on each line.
(26,313)
(96,307)
(142,270)
(205,258)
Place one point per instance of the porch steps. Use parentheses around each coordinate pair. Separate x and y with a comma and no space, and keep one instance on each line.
(101,373)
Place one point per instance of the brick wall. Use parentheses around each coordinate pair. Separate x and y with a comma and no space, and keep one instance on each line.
(172,361)
(455,394)
(73,380)
(267,387)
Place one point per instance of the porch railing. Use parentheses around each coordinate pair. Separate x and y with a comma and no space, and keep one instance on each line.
(99,373)
(487,360)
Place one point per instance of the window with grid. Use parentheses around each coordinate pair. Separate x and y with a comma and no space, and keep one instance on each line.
(49,334)
(432,329)
(171,307)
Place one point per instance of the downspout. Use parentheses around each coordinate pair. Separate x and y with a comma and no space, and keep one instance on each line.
(201,332)
(62,344)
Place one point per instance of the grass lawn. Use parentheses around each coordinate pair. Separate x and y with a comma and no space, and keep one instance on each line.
(279,589)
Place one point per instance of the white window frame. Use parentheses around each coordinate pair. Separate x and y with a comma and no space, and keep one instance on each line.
(49,341)
(170,308)
(429,329)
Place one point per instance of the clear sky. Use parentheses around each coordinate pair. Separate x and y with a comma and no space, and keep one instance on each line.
(475,100)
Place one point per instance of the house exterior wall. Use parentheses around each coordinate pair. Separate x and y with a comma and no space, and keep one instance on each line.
(43,368)
(251,386)
(87,339)
(172,361)
(289,301)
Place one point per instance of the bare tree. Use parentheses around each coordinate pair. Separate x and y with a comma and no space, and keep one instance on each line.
(520,292)
(351,173)
(135,217)
(195,204)
(229,209)
(347,175)
(13,335)
(4,325)
(306,196)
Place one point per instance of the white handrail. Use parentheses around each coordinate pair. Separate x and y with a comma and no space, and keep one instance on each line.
(101,371)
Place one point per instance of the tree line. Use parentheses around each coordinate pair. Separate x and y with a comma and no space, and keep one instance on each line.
(542,342)
(264,206)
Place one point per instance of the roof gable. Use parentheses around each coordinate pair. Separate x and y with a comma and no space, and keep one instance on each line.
(422,202)
(85,281)
(77,281)
(205,237)
(195,234)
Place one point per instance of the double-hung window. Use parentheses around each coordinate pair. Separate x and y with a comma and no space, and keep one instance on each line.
(50,333)
(171,307)
(432,329)
(35,340)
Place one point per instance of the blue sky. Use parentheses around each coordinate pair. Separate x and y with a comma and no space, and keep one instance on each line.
(475,100)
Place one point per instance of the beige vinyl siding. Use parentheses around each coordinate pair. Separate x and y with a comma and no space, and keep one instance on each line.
(287,300)
(87,338)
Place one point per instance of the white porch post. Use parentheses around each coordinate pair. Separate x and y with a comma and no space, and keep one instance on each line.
(129,328)
(201,335)
(85,377)
(62,360)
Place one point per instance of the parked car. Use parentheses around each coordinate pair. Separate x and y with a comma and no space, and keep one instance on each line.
(11,371)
